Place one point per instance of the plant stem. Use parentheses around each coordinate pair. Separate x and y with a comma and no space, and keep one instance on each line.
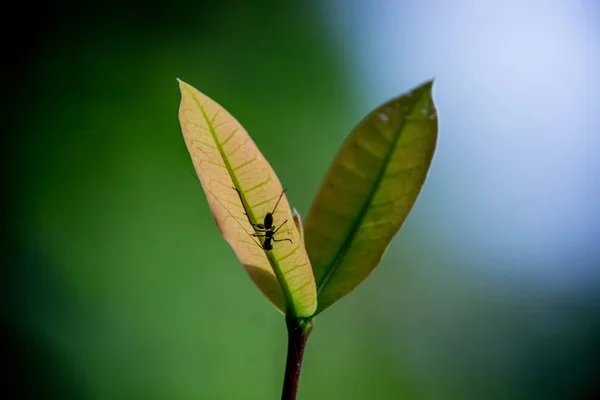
(298,332)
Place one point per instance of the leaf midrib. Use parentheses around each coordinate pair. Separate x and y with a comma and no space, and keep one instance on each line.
(363,211)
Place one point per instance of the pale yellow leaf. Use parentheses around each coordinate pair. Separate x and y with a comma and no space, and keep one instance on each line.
(225,157)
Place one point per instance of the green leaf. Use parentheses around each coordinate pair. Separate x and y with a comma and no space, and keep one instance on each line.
(368,192)
(226,159)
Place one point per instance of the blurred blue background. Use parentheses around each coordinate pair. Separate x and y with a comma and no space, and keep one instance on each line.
(119,286)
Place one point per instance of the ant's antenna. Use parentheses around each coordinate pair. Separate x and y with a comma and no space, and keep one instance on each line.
(226,209)
(276,204)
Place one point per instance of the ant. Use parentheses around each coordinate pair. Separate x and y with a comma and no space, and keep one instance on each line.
(267,228)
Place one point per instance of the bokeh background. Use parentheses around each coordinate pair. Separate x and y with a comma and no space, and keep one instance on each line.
(119,286)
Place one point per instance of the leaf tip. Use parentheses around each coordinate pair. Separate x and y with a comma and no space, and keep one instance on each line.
(428,84)
(182,85)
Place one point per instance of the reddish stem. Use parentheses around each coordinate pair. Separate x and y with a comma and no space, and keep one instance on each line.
(297,336)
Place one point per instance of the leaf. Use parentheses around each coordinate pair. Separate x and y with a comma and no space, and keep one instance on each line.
(225,157)
(298,223)
(368,192)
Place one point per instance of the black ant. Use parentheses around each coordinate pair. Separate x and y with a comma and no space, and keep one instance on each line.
(267,228)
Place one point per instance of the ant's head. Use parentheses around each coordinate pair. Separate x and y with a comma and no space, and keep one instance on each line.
(268,222)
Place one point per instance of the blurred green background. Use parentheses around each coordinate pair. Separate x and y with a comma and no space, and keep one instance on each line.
(119,286)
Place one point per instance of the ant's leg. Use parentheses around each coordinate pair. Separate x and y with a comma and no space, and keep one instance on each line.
(257,227)
(242,201)
(282,240)
(275,231)
(283,223)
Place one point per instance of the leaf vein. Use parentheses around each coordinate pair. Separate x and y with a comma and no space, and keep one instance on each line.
(242,165)
(228,138)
